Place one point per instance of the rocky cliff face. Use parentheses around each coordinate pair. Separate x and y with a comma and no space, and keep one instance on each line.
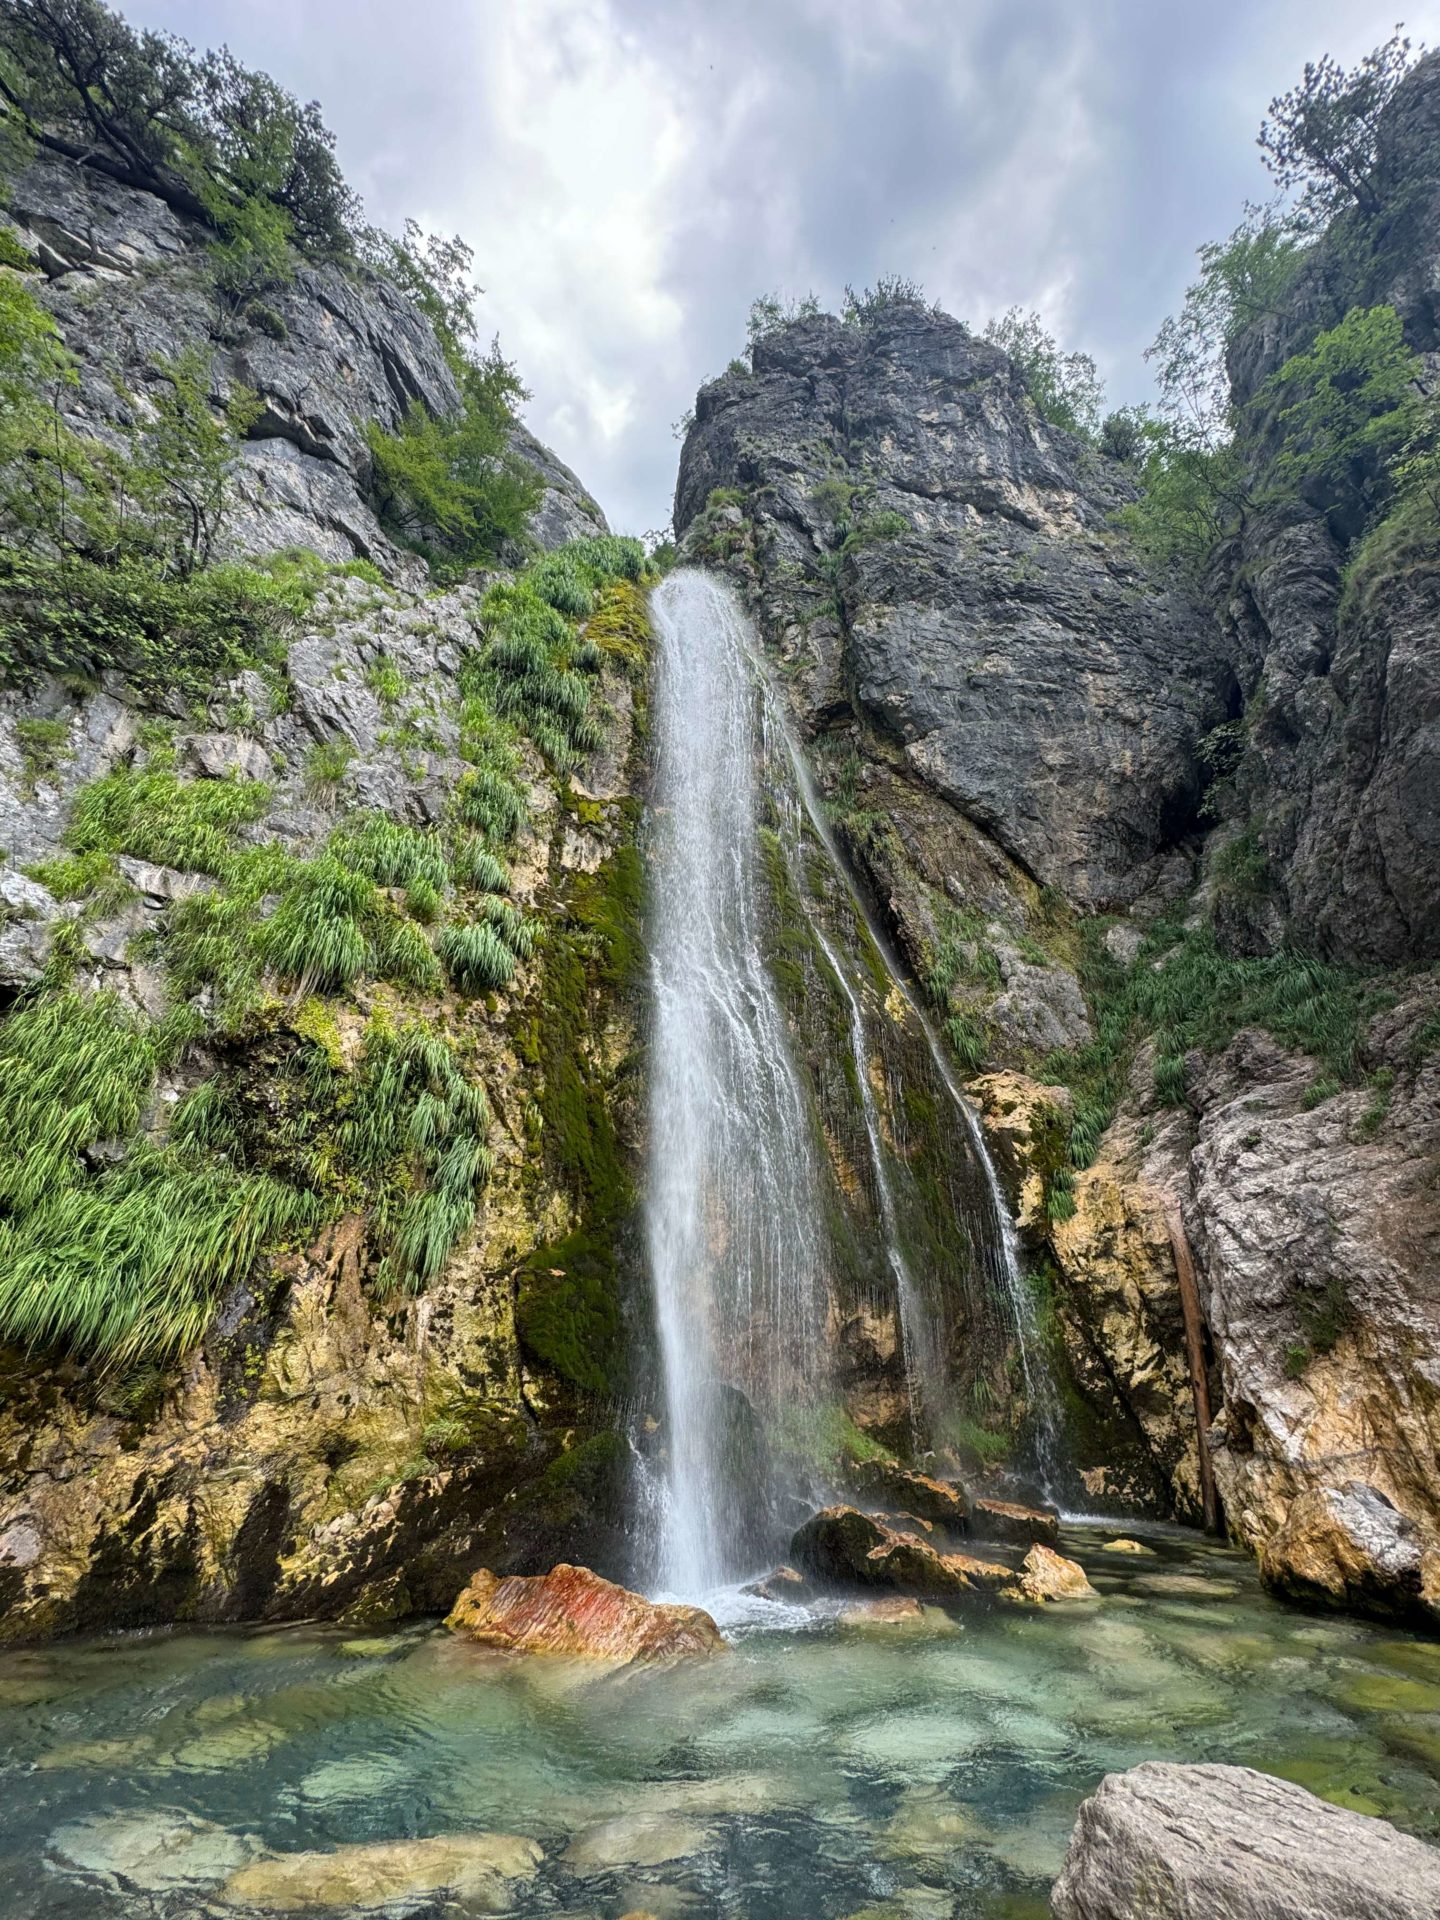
(1006,716)
(328,1447)
(953,578)
(1339,778)
(130,287)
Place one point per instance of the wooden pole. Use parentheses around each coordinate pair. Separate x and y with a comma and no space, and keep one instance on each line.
(1195,1354)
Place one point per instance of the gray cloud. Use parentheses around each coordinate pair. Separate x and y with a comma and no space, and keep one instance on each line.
(632,172)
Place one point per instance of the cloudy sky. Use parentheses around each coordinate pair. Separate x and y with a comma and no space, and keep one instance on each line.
(631,173)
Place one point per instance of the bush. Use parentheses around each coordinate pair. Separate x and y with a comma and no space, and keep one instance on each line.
(891,290)
(1065,387)
(453,489)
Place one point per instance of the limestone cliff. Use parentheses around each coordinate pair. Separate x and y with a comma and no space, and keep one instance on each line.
(1015,729)
(335,1442)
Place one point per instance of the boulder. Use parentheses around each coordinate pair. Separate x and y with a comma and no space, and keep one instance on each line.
(571,1610)
(917,1495)
(1202,1843)
(851,1548)
(1350,1546)
(782,1584)
(1016,1525)
(1050,1576)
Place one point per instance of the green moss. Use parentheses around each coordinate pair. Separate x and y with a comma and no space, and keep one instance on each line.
(569,1302)
(568,1311)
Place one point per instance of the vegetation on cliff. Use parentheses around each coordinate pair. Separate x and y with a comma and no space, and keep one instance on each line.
(159,1140)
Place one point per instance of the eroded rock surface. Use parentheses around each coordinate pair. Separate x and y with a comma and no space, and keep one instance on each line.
(1197,1843)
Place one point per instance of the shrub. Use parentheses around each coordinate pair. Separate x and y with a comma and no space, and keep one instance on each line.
(1065,387)
(453,489)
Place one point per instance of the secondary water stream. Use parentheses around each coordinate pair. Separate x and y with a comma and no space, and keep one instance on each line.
(815,1772)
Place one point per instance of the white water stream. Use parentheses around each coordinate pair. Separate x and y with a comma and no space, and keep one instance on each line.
(735,1215)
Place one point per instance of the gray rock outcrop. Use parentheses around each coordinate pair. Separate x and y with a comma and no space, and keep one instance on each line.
(947,565)
(128,284)
(1339,777)
(1226,1843)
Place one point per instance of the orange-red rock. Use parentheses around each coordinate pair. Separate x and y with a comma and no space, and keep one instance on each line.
(571,1610)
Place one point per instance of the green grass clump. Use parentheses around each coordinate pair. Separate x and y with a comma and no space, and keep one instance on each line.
(74,1069)
(125,1264)
(153,814)
(417,1130)
(474,865)
(315,938)
(128,1267)
(533,670)
(492,803)
(476,957)
(390,853)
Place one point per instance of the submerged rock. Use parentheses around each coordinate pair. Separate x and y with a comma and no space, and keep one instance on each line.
(1180,1841)
(571,1610)
(1006,1521)
(899,1610)
(354,1879)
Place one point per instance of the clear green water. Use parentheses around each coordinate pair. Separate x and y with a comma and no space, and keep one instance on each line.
(927,1769)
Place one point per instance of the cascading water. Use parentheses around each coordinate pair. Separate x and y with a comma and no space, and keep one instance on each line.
(1001,1244)
(734,1221)
(740,1235)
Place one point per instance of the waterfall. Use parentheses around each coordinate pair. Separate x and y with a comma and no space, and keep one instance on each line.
(734,1217)
(739,1215)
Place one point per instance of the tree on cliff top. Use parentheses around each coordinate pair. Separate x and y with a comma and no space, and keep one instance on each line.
(212,138)
(1321,136)
(1066,387)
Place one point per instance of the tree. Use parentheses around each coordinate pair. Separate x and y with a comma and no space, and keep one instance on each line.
(434,275)
(1343,409)
(1066,387)
(1321,135)
(213,139)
